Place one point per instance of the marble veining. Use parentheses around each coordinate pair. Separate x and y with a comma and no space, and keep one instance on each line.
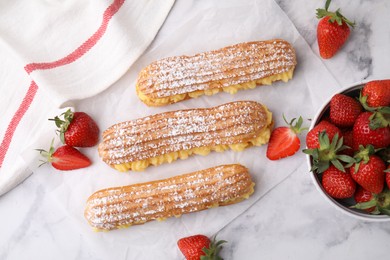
(360,55)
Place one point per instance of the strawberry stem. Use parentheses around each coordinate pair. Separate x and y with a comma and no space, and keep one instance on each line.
(63,124)
(213,251)
(297,128)
(327,154)
(48,155)
(368,204)
(333,16)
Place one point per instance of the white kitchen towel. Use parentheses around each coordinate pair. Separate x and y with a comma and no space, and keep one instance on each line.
(55,52)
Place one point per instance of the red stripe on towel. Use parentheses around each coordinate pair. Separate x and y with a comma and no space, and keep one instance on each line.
(73,56)
(27,100)
(83,48)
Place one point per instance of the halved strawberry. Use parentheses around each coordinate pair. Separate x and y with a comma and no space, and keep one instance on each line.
(65,158)
(284,140)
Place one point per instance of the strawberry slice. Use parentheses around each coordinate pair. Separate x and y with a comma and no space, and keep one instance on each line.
(65,158)
(284,140)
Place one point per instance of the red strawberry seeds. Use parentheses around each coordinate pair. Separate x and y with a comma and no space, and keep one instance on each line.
(344,110)
(312,140)
(377,93)
(364,135)
(77,129)
(370,174)
(338,184)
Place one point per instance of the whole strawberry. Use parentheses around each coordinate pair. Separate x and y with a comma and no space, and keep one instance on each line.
(284,140)
(329,152)
(77,129)
(380,203)
(312,136)
(65,158)
(363,134)
(377,93)
(362,195)
(368,170)
(332,31)
(344,110)
(338,184)
(388,177)
(200,247)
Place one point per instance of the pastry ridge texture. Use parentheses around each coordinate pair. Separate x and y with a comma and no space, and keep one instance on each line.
(166,137)
(121,207)
(229,69)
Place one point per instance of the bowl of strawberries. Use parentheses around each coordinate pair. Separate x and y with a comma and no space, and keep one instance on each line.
(348,150)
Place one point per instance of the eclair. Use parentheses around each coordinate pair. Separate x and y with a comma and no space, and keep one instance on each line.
(232,68)
(166,137)
(121,207)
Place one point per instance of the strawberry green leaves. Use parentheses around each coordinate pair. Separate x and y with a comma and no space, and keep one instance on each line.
(328,153)
(334,16)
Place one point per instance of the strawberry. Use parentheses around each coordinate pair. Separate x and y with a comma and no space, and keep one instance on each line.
(338,184)
(328,153)
(199,247)
(284,140)
(65,158)
(368,170)
(387,177)
(332,31)
(363,134)
(362,195)
(348,142)
(377,93)
(312,136)
(77,129)
(344,110)
(379,202)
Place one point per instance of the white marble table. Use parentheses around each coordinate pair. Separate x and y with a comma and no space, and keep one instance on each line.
(291,220)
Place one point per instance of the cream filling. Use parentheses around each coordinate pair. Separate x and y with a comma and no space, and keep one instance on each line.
(285,76)
(261,139)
